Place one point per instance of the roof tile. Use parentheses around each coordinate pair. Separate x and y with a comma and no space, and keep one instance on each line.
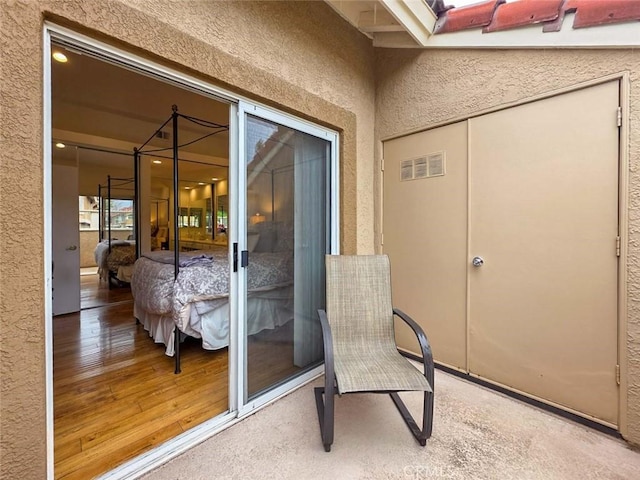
(590,13)
(471,16)
(523,12)
(496,15)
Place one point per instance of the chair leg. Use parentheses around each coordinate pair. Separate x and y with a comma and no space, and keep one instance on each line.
(325,416)
(423,434)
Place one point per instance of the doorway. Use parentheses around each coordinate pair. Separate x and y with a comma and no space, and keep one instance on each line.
(115,395)
(508,245)
(216,385)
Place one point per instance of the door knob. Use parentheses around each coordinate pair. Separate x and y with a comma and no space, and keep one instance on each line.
(477,261)
(71,247)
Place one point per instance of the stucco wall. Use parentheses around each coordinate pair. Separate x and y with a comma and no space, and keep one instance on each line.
(300,57)
(419,89)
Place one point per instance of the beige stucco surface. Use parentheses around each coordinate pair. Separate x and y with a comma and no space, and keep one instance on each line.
(420,89)
(298,56)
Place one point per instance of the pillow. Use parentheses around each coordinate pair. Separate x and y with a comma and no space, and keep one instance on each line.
(252,240)
(267,237)
(284,238)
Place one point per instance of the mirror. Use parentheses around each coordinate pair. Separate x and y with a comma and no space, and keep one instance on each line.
(208,217)
(222,215)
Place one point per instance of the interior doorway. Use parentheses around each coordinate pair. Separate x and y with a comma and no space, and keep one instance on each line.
(115,394)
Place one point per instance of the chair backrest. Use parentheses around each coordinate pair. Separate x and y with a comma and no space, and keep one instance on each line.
(359,307)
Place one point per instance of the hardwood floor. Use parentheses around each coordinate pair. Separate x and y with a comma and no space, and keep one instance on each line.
(115,393)
(96,293)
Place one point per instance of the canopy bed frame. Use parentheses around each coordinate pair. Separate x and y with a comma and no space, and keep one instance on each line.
(173,233)
(115,256)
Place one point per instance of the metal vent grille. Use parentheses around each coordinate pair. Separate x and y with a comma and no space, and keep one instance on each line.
(406,170)
(436,164)
(432,165)
(420,168)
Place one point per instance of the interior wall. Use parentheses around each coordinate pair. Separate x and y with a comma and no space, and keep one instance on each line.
(297,56)
(420,89)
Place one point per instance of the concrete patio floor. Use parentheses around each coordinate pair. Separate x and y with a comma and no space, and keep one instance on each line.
(477,434)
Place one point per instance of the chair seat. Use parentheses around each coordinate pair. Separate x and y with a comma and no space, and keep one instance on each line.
(378,372)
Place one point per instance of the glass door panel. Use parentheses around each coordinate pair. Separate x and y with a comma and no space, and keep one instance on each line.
(288,235)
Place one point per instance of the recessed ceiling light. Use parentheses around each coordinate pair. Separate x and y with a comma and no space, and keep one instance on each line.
(60,57)
(201,183)
(157,162)
(187,188)
(215,179)
(60,145)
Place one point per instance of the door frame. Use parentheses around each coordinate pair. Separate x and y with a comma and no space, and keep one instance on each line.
(238,409)
(623,78)
(239,215)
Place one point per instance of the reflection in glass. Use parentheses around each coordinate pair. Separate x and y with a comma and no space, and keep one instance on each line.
(288,227)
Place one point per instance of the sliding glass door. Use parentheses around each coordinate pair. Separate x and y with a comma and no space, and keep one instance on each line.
(285,232)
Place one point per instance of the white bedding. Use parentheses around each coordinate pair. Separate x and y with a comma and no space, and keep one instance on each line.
(123,254)
(197,301)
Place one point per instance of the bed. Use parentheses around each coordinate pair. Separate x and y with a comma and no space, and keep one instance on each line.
(197,301)
(115,259)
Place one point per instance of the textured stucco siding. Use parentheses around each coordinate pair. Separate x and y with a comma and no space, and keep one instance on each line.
(22,366)
(420,89)
(299,57)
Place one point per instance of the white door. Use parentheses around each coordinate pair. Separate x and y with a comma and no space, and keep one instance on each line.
(286,225)
(66,240)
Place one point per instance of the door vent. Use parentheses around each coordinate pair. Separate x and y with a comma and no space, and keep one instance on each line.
(420,168)
(406,170)
(436,164)
(432,165)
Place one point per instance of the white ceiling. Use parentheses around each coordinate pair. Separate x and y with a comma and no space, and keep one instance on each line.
(103,108)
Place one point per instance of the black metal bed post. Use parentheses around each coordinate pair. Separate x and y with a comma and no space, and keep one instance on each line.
(176,212)
(136,197)
(100,213)
(108,220)
(273,199)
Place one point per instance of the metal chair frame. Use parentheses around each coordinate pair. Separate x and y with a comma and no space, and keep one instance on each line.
(325,406)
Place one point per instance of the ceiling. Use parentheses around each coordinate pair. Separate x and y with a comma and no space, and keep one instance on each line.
(101,111)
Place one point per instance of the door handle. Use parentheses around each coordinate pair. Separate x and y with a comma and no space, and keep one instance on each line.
(477,261)
(235,256)
(71,247)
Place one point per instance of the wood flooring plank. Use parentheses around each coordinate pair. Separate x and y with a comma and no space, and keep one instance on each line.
(93,462)
(115,392)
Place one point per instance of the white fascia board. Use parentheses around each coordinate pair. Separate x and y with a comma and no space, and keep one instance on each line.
(415,16)
(621,35)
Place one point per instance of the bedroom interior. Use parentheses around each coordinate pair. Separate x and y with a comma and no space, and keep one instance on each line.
(112,384)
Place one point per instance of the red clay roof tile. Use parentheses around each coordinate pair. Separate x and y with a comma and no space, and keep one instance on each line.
(496,15)
(471,16)
(524,12)
(590,13)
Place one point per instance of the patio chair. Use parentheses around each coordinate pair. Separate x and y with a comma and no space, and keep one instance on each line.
(360,353)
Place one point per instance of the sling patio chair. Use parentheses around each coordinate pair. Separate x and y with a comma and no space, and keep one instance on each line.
(360,352)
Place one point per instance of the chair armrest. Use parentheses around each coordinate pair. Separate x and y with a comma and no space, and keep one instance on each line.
(327,341)
(427,356)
